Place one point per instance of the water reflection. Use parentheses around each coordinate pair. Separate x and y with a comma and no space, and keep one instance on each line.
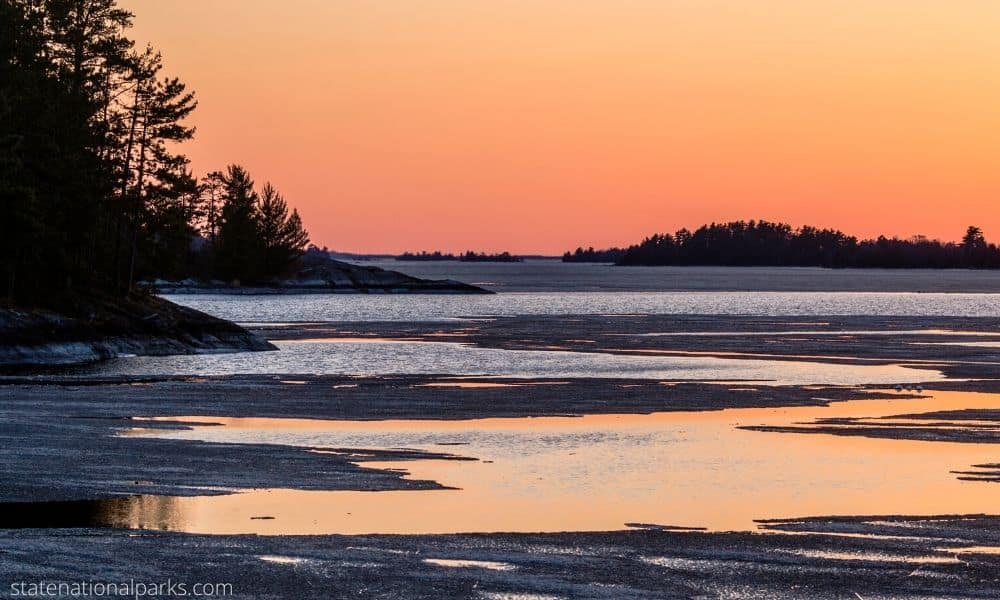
(131,512)
(597,473)
(375,357)
(409,307)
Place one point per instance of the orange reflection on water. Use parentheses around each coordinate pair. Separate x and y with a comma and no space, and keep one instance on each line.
(598,472)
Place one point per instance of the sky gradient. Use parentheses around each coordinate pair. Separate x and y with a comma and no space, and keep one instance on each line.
(536,126)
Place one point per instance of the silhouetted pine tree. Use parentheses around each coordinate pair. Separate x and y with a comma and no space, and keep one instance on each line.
(238,248)
(282,237)
(93,194)
(54,181)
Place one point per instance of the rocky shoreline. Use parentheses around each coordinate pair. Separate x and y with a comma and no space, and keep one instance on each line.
(317,274)
(77,328)
(83,328)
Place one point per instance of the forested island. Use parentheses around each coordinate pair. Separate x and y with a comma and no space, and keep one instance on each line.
(763,243)
(468,256)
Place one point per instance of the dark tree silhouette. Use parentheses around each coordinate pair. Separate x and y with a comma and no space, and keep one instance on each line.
(589,255)
(172,208)
(257,237)
(762,243)
(468,256)
(213,190)
(238,251)
(57,59)
(158,107)
(975,250)
(93,194)
(282,237)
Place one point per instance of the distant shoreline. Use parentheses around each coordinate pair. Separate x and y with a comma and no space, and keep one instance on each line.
(557,276)
(445,290)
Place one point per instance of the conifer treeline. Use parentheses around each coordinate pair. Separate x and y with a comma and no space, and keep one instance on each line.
(93,193)
(748,243)
(468,256)
(590,255)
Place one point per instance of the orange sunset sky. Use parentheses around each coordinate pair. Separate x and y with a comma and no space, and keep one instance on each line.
(536,126)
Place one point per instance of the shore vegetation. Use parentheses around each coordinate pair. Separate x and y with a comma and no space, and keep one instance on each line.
(95,195)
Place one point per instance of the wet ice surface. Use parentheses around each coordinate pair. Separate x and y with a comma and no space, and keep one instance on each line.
(348,357)
(477,564)
(364,307)
(597,473)
(593,473)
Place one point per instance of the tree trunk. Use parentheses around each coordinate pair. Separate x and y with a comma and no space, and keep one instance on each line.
(137,205)
(126,175)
